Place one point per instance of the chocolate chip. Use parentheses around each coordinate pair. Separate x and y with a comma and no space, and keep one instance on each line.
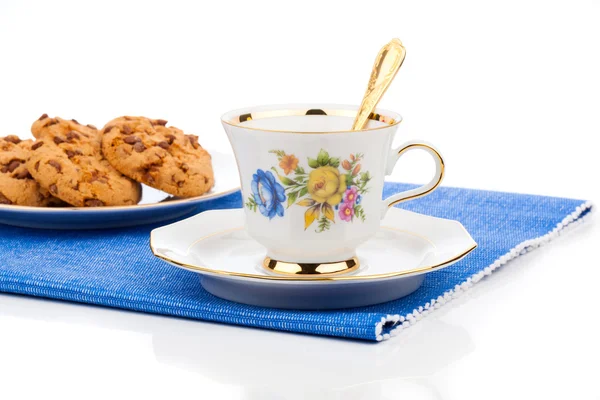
(72,135)
(74,120)
(97,177)
(37,166)
(53,121)
(126,130)
(170,138)
(23,174)
(58,140)
(184,167)
(53,189)
(76,187)
(13,165)
(163,145)
(91,126)
(132,139)
(193,141)
(72,154)
(205,180)
(4,169)
(37,145)
(161,122)
(13,139)
(139,147)
(180,183)
(93,203)
(4,200)
(148,178)
(44,116)
(108,128)
(55,164)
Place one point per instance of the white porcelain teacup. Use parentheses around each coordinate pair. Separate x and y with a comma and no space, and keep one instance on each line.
(311,186)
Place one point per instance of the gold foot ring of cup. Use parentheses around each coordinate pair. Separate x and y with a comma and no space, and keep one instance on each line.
(311,269)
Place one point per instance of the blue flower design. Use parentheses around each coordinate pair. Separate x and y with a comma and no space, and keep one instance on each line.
(358,199)
(268,194)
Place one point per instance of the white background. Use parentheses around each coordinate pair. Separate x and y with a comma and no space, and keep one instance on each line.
(509,91)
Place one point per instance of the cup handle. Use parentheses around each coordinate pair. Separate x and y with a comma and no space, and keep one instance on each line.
(420,191)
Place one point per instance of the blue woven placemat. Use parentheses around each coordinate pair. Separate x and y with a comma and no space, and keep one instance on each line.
(115,267)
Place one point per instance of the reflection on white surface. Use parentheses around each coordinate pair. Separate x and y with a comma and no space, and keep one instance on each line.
(266,364)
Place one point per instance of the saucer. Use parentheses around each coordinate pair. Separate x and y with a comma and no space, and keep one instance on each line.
(155,206)
(393,264)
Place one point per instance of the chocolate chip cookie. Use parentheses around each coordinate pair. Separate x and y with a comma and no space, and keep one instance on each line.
(162,157)
(16,183)
(57,125)
(70,165)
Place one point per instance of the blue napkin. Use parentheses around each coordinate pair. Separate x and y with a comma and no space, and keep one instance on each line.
(115,267)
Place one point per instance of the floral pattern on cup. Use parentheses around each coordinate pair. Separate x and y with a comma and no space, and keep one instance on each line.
(331,189)
(267,195)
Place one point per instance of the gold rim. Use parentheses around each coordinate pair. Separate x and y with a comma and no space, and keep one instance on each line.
(311,269)
(439,181)
(239,119)
(304,277)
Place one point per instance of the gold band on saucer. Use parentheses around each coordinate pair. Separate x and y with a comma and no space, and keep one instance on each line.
(307,269)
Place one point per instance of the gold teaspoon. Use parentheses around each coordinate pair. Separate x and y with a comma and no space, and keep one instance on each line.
(388,62)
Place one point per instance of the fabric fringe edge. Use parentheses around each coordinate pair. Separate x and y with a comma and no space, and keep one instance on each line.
(392,325)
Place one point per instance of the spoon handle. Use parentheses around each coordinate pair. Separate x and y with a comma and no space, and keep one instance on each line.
(388,62)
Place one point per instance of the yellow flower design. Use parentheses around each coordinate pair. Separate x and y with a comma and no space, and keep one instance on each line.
(330,188)
(325,185)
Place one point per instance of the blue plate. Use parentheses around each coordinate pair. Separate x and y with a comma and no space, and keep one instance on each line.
(155,206)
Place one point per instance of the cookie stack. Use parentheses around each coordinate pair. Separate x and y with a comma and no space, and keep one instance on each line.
(79,165)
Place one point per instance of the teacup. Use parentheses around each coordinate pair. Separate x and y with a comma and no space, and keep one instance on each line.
(311,186)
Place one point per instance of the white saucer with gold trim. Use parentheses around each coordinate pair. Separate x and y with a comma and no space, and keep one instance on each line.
(393,264)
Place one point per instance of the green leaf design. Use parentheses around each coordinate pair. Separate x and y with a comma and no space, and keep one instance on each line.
(323,157)
(292,198)
(324,224)
(349,180)
(251,204)
(299,170)
(334,162)
(284,180)
(303,192)
(287,181)
(359,212)
(279,153)
(312,163)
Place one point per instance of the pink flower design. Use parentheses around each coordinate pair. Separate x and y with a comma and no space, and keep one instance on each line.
(346,212)
(351,195)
